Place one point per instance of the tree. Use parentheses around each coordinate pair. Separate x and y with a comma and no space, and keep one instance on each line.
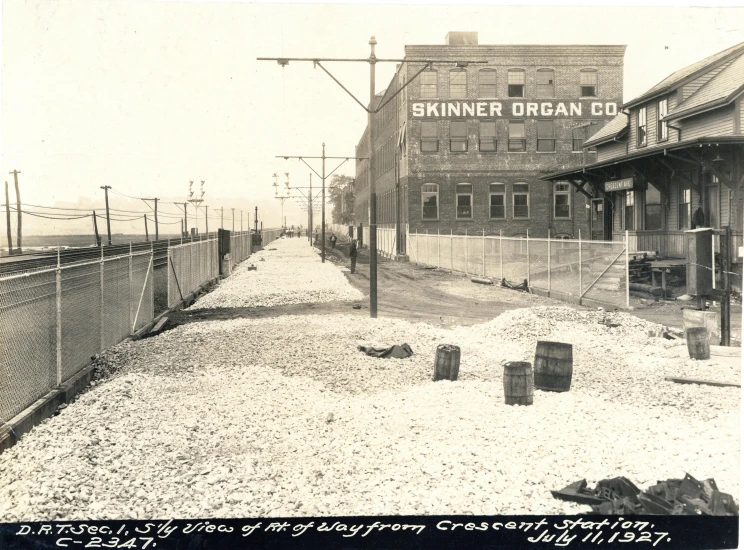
(341,192)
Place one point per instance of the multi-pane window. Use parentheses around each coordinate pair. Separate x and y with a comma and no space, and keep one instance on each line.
(685,204)
(521,200)
(662,128)
(464,201)
(629,212)
(458,136)
(545,83)
(561,200)
(458,84)
(428,84)
(429,136)
(515,83)
(517,139)
(486,83)
(652,220)
(545,136)
(578,134)
(588,83)
(487,136)
(641,127)
(430,201)
(497,194)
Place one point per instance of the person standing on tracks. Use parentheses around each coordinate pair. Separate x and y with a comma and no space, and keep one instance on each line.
(353,255)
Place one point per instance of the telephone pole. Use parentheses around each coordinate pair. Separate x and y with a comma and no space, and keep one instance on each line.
(7,217)
(233,223)
(322,177)
(108,217)
(156,215)
(18,209)
(373,108)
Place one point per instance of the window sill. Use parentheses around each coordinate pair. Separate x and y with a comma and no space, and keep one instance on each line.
(588,97)
(459,152)
(562,219)
(546,152)
(520,219)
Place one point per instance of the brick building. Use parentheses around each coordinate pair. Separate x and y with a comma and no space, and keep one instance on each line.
(464,146)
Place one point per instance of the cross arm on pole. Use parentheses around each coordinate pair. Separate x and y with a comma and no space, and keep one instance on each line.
(426,66)
(317,63)
(311,168)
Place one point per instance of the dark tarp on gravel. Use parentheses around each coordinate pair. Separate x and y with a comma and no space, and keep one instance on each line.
(396,351)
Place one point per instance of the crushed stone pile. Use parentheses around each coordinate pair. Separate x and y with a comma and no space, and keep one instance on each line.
(285,417)
(289,272)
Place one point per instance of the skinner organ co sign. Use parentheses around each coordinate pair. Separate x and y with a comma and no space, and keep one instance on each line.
(512,108)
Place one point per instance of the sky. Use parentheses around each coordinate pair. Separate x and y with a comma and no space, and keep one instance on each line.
(146,96)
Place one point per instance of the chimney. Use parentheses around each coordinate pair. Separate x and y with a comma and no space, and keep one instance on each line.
(455,38)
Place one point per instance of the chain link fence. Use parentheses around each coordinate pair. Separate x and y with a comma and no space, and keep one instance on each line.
(53,321)
(190,265)
(562,268)
(240,247)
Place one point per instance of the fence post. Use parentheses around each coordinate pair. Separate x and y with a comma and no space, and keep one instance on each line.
(452,253)
(439,253)
(528,257)
(103,332)
(581,286)
(152,282)
(58,280)
(466,252)
(627,272)
(484,252)
(130,283)
(549,281)
(426,239)
(713,257)
(501,254)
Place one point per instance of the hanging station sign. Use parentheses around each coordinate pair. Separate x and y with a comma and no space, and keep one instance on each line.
(618,185)
(512,108)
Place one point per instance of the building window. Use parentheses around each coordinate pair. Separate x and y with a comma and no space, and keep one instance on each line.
(516,83)
(517,140)
(521,200)
(588,82)
(486,83)
(487,136)
(641,127)
(430,201)
(458,136)
(662,129)
(652,220)
(428,84)
(458,84)
(545,136)
(497,193)
(561,200)
(685,203)
(464,201)
(545,83)
(578,134)
(429,136)
(629,212)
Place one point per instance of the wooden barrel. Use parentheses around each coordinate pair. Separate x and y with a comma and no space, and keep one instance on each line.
(697,343)
(446,362)
(553,366)
(518,383)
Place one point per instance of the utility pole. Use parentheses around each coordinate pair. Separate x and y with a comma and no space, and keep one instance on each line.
(255,219)
(206,219)
(196,202)
(185,220)
(95,228)
(373,108)
(222,217)
(108,217)
(310,212)
(156,215)
(19,246)
(147,235)
(322,177)
(7,216)
(233,223)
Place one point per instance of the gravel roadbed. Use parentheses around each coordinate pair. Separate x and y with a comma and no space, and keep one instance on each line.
(289,271)
(285,417)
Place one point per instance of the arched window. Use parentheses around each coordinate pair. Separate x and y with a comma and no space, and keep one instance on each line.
(464,201)
(487,83)
(430,201)
(497,201)
(428,84)
(458,83)
(516,82)
(588,83)
(545,83)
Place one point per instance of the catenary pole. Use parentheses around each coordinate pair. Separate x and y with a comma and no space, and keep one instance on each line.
(372,191)
(19,245)
(7,217)
(322,212)
(95,229)
(108,218)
